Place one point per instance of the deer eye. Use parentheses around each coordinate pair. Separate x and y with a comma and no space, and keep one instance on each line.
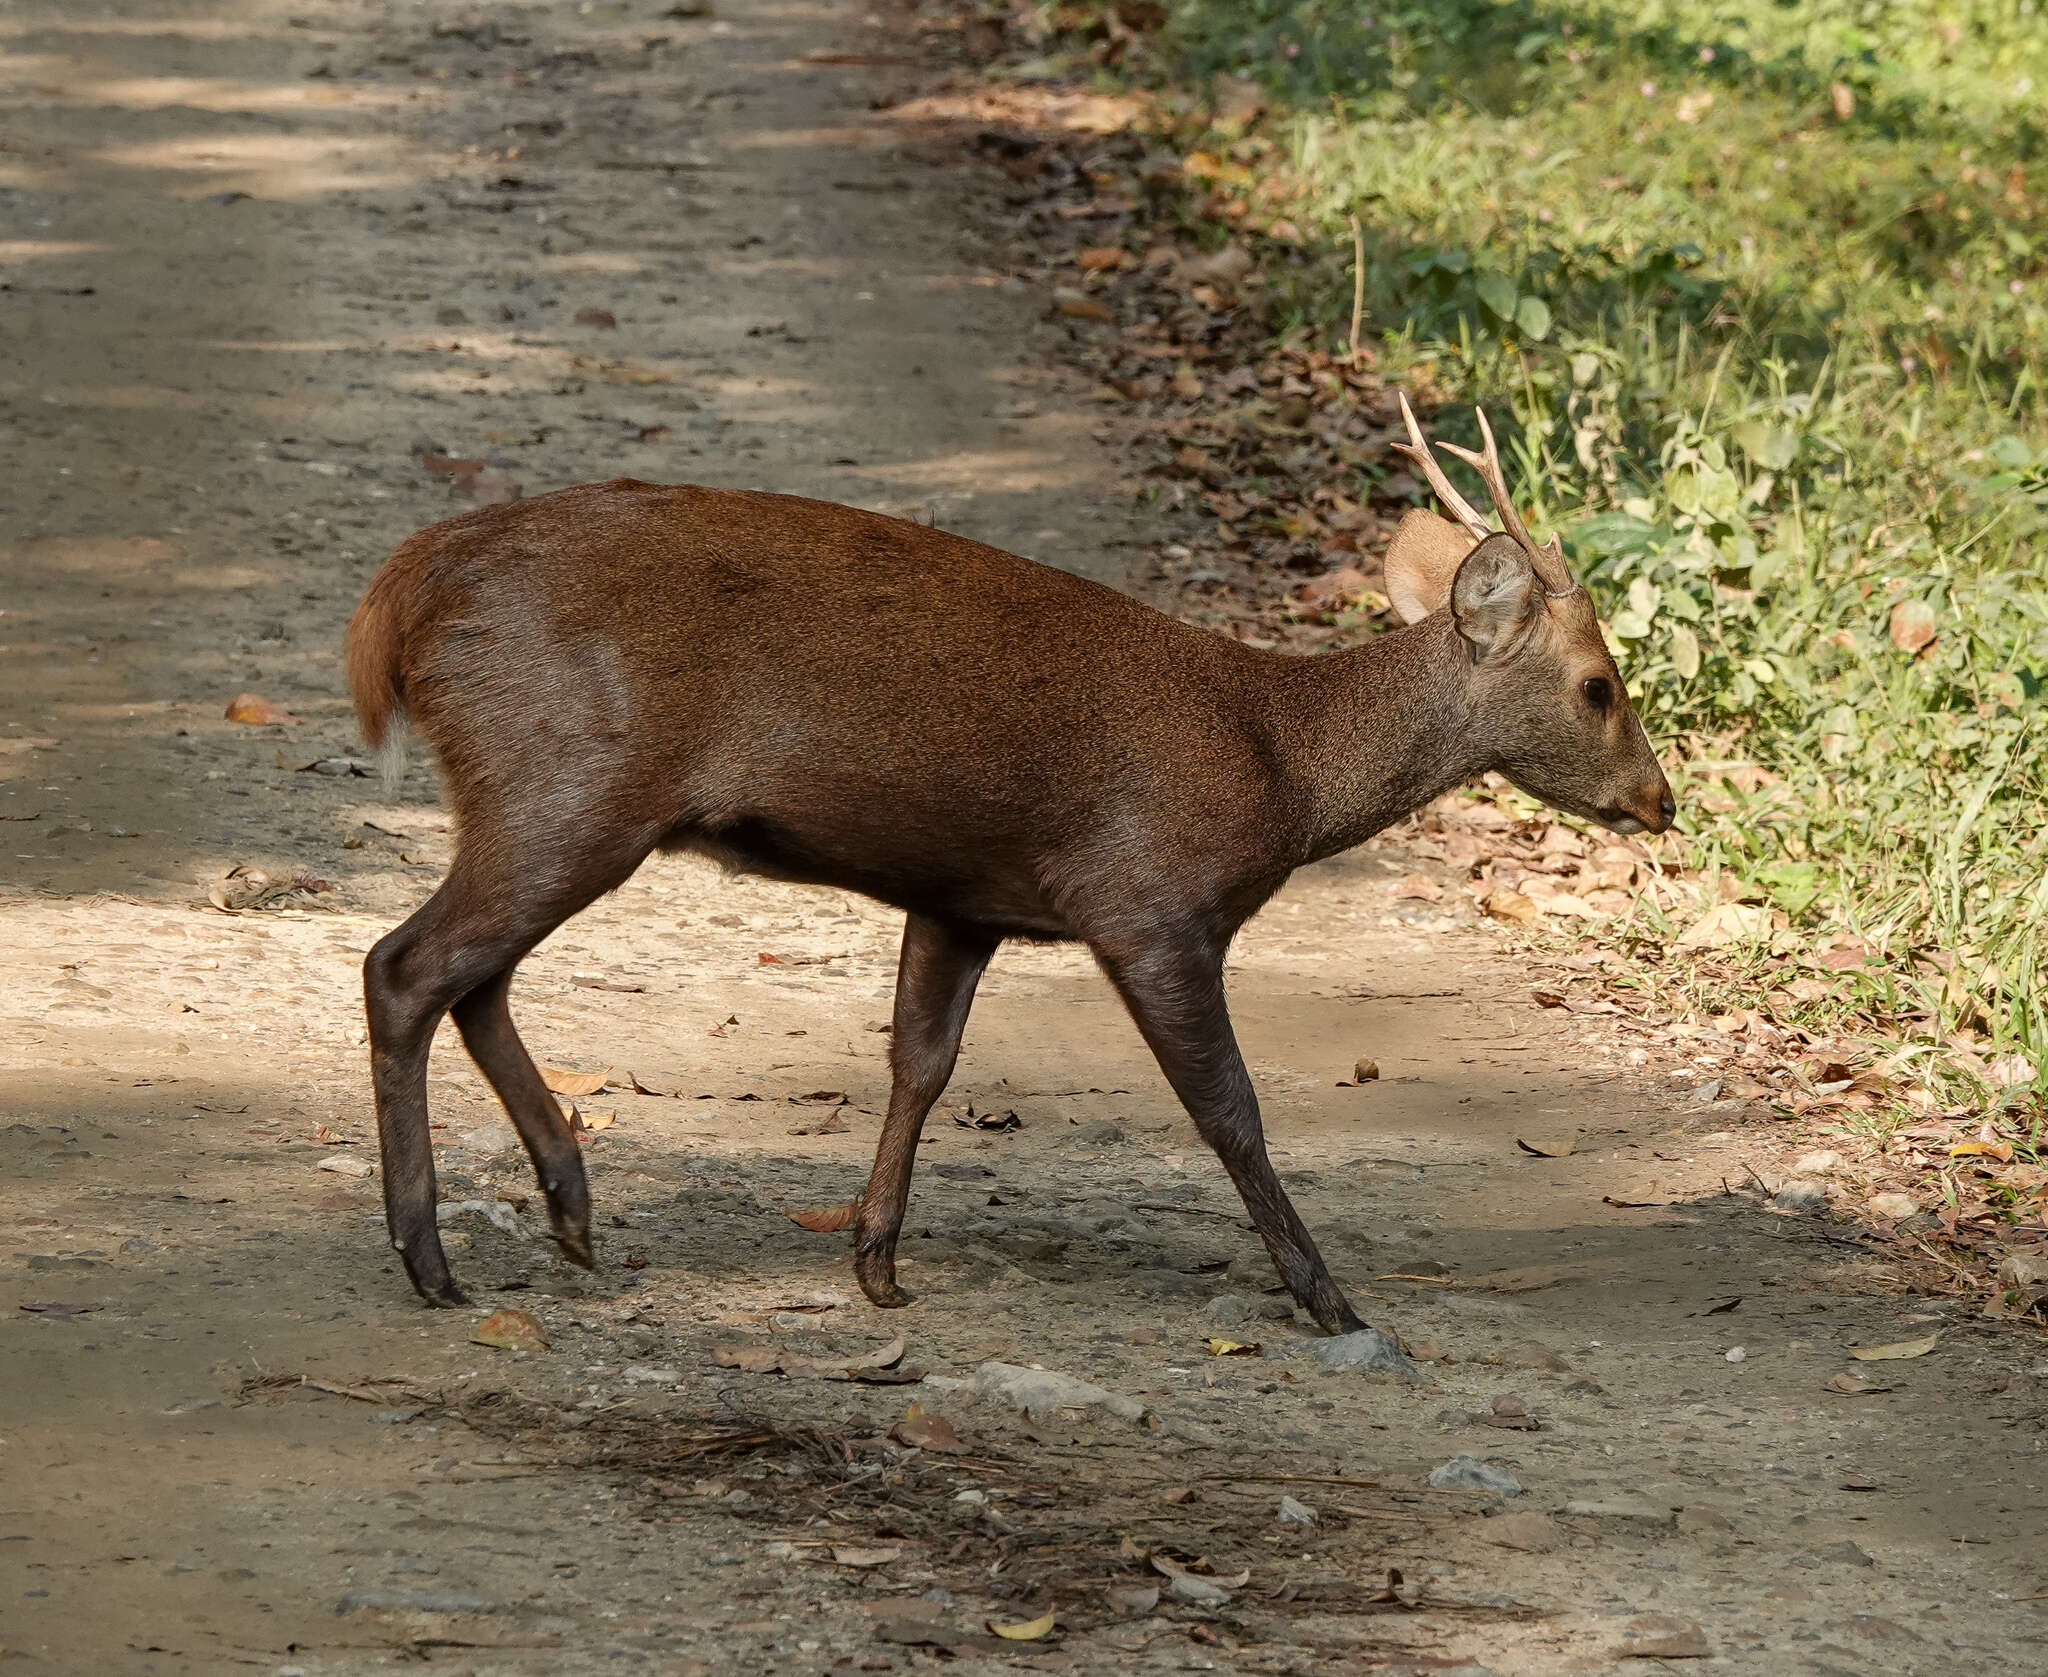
(1599,691)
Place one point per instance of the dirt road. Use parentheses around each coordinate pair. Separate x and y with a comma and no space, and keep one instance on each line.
(260,259)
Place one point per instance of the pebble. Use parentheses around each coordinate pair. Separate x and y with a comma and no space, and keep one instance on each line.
(1227,1310)
(1798,1195)
(1294,1513)
(1736,1354)
(1471,1473)
(1821,1162)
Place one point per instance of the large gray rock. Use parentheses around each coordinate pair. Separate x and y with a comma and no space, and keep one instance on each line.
(1471,1473)
(1041,1391)
(1366,1350)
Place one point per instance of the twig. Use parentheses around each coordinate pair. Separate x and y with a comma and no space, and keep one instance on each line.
(1357,283)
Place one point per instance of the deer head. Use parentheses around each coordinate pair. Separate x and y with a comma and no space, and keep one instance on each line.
(1547,702)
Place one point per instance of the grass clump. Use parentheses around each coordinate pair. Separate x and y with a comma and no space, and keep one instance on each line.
(1766,289)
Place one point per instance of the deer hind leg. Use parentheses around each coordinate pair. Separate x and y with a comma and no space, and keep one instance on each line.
(935,979)
(465,940)
(484,1017)
(1175,994)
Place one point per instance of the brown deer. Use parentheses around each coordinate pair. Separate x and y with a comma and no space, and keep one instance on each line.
(998,748)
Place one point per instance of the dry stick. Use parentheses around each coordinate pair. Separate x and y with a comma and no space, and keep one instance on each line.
(1357,283)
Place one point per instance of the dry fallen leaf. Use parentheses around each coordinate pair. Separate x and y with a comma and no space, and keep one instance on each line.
(1727,923)
(595,1120)
(574,1083)
(1231,1348)
(1548,1147)
(1419,886)
(828,1219)
(1850,1384)
(1511,906)
(448,466)
(1078,305)
(1134,1601)
(326,1137)
(258,711)
(847,1555)
(487,486)
(510,1330)
(922,1430)
(1895,1352)
(1912,625)
(1025,1630)
(596,317)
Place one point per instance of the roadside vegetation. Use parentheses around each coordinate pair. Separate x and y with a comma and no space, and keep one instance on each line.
(1757,296)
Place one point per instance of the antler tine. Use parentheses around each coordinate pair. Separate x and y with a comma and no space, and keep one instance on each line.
(1548,559)
(1418,451)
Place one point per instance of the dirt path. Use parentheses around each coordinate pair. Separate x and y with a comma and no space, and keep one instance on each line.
(258,258)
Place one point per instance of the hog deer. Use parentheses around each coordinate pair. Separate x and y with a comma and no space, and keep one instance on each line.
(998,748)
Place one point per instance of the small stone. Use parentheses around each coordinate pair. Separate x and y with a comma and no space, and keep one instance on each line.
(1531,1532)
(1735,1354)
(1894,1205)
(1100,1133)
(1252,1271)
(394,1417)
(1820,1162)
(1696,1522)
(1799,1195)
(1368,1350)
(2024,1270)
(1227,1310)
(1846,1552)
(1294,1513)
(1531,1355)
(1274,1307)
(1187,1587)
(346,1164)
(1660,1636)
(1471,1473)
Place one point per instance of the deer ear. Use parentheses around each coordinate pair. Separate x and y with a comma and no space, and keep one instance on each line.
(1422,560)
(1495,597)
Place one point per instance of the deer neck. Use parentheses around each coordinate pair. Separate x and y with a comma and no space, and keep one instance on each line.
(1373,733)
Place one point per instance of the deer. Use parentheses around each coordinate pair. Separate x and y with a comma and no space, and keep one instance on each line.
(997,748)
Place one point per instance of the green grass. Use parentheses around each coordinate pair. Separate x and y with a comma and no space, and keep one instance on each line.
(1764,287)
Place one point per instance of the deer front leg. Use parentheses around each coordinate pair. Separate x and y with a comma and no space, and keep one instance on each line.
(935,979)
(1174,990)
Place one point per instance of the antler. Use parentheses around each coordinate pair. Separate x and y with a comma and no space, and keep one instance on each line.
(1548,559)
(1418,451)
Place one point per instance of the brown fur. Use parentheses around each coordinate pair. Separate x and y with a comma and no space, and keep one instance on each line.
(996,747)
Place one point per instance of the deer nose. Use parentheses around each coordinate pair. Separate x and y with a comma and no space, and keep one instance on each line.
(1667,807)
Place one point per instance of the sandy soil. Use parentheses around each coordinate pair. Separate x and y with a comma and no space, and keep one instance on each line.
(258,257)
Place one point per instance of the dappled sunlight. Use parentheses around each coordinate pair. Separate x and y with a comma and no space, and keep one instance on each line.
(284,166)
(14,252)
(151,93)
(1014,471)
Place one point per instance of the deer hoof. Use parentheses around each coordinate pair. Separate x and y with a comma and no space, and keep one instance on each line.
(575,1246)
(884,1294)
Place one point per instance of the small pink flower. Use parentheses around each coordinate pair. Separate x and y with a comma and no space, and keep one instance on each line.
(2013,286)
(1649,90)
(1706,55)
(1292,49)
